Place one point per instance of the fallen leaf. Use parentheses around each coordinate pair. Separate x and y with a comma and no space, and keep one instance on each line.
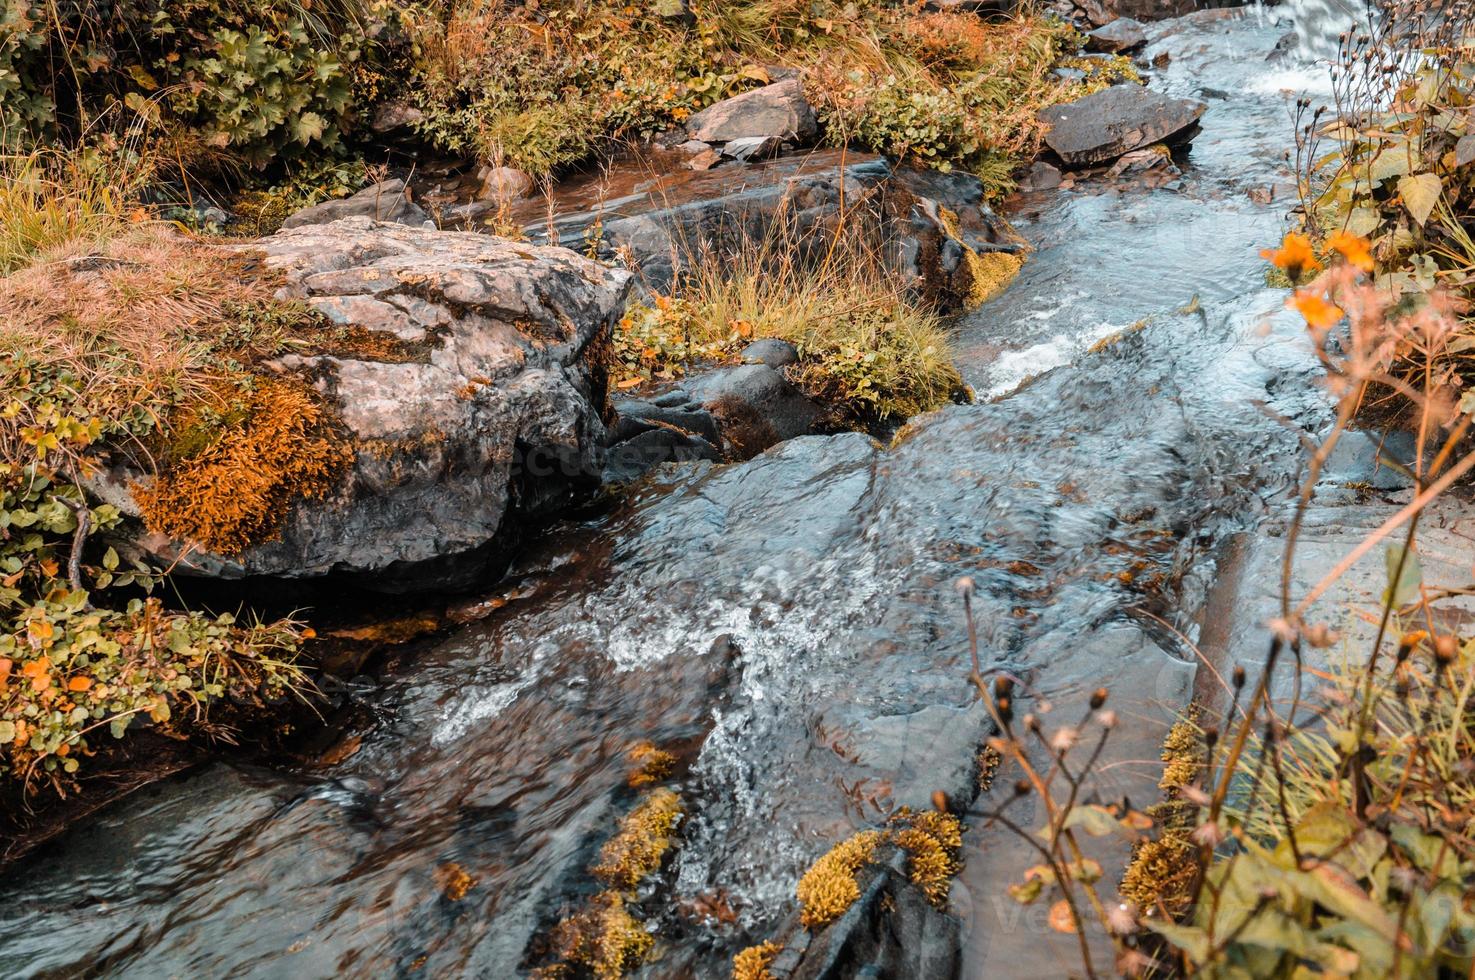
(1061,919)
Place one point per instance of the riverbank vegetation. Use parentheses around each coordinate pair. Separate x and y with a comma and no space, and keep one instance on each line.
(1315,819)
(228,90)
(1392,159)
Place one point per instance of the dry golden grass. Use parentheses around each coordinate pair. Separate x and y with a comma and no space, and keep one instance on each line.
(49,200)
(867,345)
(158,334)
(136,319)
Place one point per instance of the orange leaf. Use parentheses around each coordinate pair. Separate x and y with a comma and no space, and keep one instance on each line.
(1353,248)
(1317,311)
(1294,255)
(41,683)
(35,668)
(629,383)
(5,664)
(79,683)
(1061,918)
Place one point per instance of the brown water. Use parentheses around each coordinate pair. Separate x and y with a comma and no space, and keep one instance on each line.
(753,617)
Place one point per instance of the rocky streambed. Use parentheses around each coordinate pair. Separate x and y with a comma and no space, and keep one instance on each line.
(787,631)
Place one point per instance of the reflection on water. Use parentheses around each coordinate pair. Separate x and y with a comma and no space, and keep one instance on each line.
(751,618)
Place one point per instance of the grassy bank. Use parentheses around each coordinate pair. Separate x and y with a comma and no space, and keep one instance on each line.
(121,336)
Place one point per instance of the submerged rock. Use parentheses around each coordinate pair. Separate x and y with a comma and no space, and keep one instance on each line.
(779,110)
(387,200)
(492,422)
(1117,120)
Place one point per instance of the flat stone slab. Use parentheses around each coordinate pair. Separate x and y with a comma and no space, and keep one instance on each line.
(1117,120)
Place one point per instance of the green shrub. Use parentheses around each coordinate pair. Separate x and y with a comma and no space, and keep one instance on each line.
(254,80)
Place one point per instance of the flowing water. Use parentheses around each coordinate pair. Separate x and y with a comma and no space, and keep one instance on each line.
(761,619)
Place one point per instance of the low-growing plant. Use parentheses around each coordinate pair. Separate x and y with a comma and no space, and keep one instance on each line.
(1393,161)
(259,80)
(84,649)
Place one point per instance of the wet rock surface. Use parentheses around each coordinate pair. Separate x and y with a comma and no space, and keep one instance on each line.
(1118,37)
(387,200)
(1117,120)
(722,413)
(495,423)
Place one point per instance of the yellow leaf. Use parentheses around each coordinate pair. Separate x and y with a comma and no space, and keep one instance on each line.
(1420,192)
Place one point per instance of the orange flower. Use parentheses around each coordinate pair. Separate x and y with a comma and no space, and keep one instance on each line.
(1353,248)
(1294,255)
(1313,306)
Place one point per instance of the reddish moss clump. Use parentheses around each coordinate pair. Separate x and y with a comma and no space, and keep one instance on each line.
(238,463)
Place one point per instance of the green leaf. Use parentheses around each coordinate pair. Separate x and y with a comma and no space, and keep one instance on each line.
(7,732)
(110,560)
(1406,587)
(1420,192)
(1191,939)
(308,127)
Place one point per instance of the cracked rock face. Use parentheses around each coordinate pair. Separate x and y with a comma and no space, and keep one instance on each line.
(496,424)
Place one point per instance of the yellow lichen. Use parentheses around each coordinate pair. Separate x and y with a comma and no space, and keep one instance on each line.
(649,764)
(830,887)
(1183,753)
(752,963)
(643,839)
(241,464)
(989,761)
(604,937)
(1161,871)
(989,273)
(931,841)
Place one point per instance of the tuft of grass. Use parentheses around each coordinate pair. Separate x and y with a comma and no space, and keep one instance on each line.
(865,344)
(52,199)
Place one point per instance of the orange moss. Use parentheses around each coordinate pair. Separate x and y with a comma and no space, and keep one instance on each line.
(604,938)
(752,963)
(649,764)
(240,461)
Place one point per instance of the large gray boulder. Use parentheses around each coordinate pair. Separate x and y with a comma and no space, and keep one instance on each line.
(778,110)
(496,422)
(1107,124)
